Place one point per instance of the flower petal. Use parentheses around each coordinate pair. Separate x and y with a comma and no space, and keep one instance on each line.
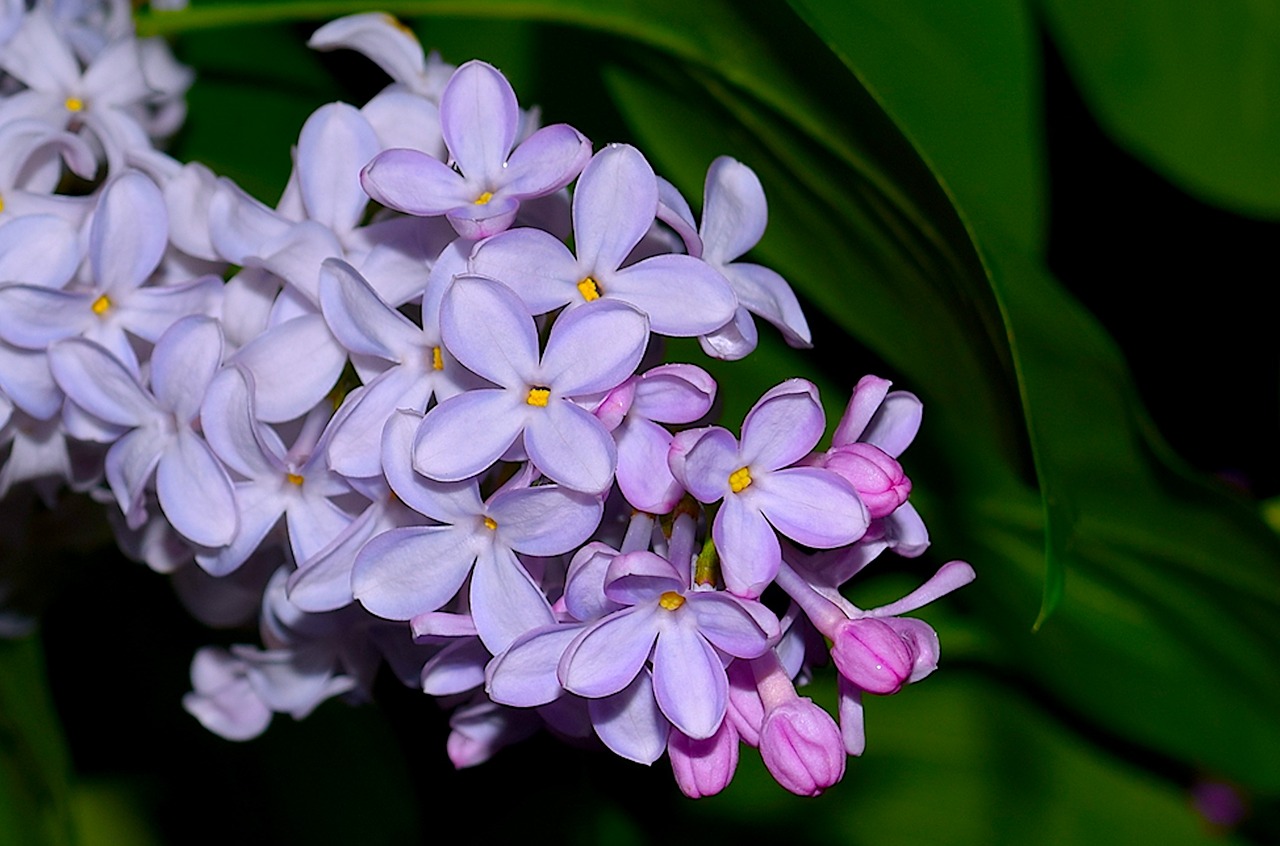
(409,571)
(464,435)
(689,682)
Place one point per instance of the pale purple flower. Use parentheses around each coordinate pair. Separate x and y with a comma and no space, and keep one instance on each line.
(32,154)
(223,698)
(614,204)
(160,426)
(590,350)
(762,491)
(481,728)
(294,483)
(108,97)
(734,215)
(480,120)
(420,366)
(407,572)
(127,239)
(671,394)
(683,632)
(391,45)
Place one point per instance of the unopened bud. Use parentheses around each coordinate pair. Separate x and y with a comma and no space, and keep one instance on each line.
(802,747)
(873,655)
(704,767)
(877,476)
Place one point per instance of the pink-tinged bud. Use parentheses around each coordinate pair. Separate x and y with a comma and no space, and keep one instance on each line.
(802,748)
(704,767)
(877,477)
(746,710)
(873,655)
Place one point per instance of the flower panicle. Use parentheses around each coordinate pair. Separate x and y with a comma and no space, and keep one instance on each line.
(398,418)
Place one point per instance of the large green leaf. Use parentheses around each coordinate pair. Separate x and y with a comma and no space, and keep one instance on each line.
(34,772)
(1191,88)
(1155,602)
(960,759)
(962,80)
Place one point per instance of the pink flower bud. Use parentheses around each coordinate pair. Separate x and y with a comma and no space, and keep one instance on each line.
(704,767)
(802,747)
(873,655)
(876,476)
(745,708)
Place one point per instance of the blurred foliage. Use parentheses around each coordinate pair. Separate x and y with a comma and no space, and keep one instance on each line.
(900,145)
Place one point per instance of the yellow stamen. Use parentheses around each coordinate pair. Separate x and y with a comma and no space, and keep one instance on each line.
(739,480)
(1,202)
(294,479)
(490,524)
(539,397)
(74,104)
(671,600)
(484,198)
(101,304)
(437,359)
(589,288)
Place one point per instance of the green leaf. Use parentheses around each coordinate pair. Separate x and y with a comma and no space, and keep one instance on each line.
(961,81)
(1190,88)
(960,759)
(34,771)
(1171,583)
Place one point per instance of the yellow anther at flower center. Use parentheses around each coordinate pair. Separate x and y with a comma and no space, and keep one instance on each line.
(589,288)
(437,359)
(1,202)
(483,199)
(74,104)
(294,479)
(101,304)
(671,600)
(739,480)
(491,524)
(539,397)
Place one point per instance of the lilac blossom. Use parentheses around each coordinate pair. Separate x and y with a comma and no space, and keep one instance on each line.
(410,571)
(614,205)
(159,427)
(704,767)
(590,350)
(480,119)
(294,483)
(391,45)
(681,631)
(762,492)
(107,96)
(502,509)
(127,239)
(420,366)
(875,650)
(733,221)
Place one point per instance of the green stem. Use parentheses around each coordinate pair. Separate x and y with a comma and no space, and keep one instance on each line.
(287,11)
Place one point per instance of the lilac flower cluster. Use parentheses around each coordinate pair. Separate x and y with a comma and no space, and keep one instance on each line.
(434,435)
